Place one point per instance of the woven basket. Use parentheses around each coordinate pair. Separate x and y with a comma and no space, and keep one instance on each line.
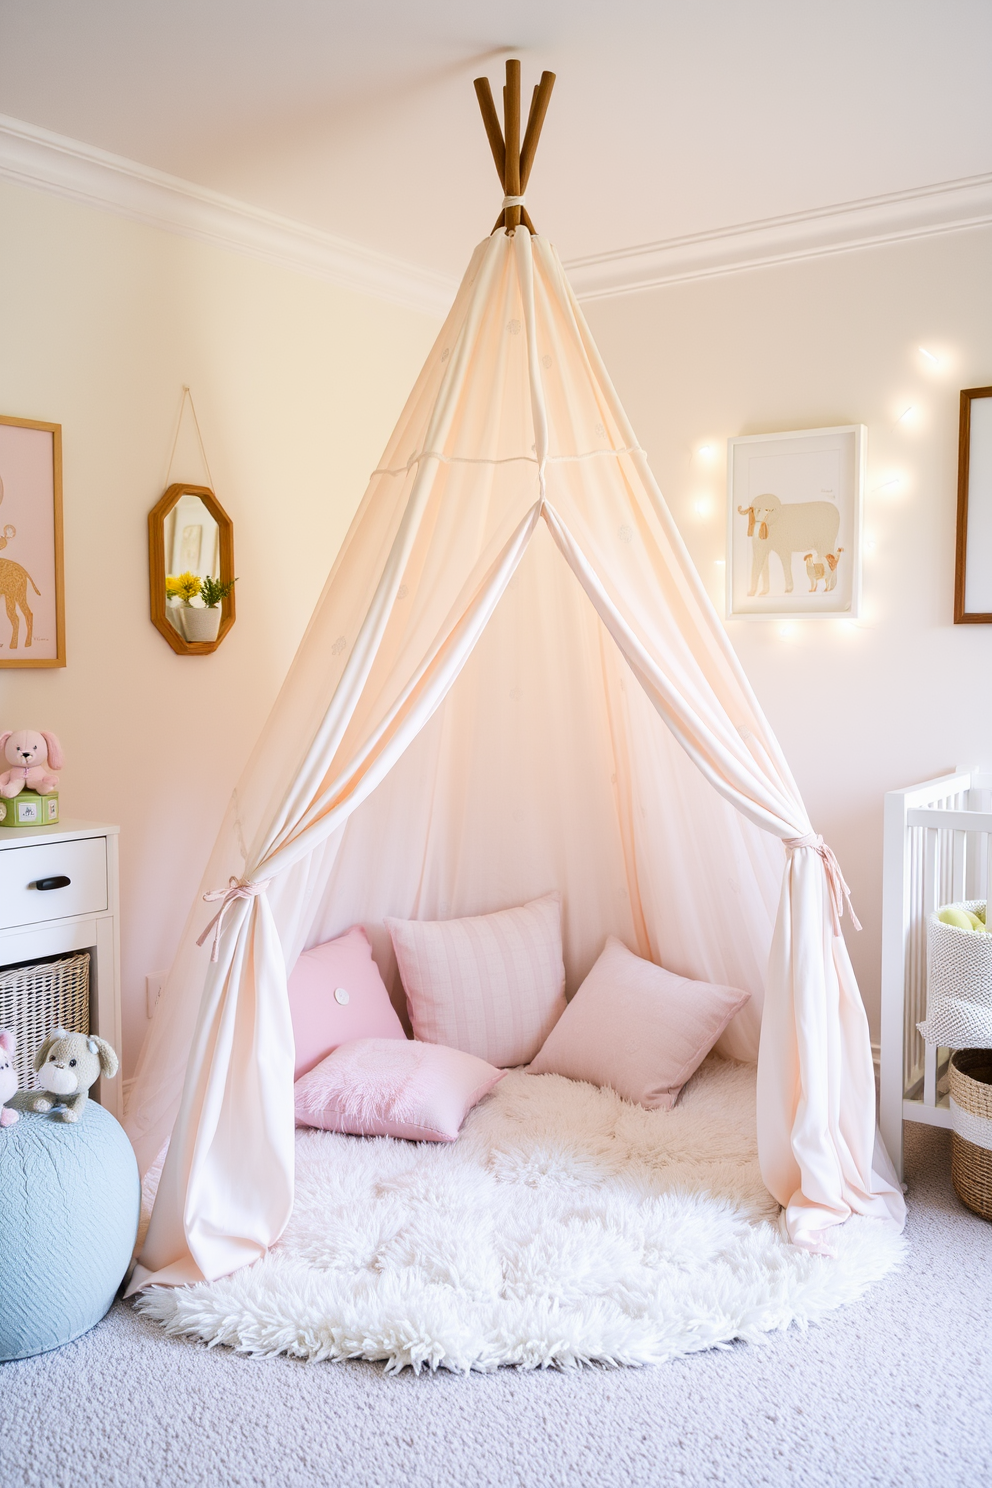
(971,1127)
(959,984)
(35,999)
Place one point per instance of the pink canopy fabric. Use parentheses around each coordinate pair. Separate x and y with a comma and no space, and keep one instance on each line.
(514,682)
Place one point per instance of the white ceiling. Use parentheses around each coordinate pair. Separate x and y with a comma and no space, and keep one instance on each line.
(668,118)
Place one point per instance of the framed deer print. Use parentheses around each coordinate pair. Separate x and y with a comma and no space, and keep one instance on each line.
(794,523)
(32,615)
(973,568)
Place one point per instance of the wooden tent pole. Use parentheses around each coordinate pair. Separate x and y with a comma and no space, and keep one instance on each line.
(511,131)
(535,123)
(530,111)
(513,161)
(490,119)
(524,218)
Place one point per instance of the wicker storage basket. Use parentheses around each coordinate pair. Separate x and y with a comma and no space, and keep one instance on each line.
(971,1128)
(37,998)
(959,984)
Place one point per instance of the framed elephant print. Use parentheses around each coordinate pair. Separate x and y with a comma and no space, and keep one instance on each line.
(794,523)
(32,619)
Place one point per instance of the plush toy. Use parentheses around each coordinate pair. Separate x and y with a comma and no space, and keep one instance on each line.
(67,1065)
(8,1076)
(33,756)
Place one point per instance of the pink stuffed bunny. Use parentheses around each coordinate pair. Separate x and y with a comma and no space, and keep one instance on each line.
(8,1076)
(33,755)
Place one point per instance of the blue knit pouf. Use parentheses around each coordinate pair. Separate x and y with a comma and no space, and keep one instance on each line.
(69,1203)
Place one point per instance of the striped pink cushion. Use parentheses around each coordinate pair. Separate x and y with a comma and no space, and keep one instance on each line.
(491,985)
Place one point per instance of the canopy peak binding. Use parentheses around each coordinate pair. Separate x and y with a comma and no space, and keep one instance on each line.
(513,160)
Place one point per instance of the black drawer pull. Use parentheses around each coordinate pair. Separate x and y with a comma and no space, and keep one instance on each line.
(58,882)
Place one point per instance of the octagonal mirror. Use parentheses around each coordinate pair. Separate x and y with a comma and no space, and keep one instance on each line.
(191,569)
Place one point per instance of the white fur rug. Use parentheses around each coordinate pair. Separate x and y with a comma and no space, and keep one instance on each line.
(563,1227)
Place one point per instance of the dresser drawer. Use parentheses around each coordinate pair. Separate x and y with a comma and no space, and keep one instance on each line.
(82,861)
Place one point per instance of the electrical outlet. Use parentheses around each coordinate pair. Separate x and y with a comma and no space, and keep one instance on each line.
(154,982)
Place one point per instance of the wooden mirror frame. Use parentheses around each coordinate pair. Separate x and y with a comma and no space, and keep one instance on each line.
(157,568)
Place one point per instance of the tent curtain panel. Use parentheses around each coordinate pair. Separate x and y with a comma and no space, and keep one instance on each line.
(513,430)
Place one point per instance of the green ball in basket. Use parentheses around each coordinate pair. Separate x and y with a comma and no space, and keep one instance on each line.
(29,788)
(962,919)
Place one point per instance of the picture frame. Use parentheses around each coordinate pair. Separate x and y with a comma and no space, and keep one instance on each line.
(188,527)
(973,545)
(32,565)
(784,564)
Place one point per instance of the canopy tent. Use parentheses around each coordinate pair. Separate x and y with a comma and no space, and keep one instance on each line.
(514,681)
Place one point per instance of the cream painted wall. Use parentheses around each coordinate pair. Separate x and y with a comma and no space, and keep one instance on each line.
(903,694)
(297,385)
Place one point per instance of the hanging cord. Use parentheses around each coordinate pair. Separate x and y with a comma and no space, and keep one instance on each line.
(179,425)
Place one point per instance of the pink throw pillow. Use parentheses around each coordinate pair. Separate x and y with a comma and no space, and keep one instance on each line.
(335,995)
(383,1088)
(491,985)
(637,1028)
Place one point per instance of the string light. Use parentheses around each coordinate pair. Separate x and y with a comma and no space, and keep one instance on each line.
(702,506)
(907,413)
(933,360)
(706,451)
(787,631)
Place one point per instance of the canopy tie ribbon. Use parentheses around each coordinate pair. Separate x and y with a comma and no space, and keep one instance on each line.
(839,890)
(239,888)
(513,201)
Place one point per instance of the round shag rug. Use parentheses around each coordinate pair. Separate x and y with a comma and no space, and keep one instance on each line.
(563,1227)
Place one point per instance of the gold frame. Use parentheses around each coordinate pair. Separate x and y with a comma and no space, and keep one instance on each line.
(157,570)
(58,660)
(961,615)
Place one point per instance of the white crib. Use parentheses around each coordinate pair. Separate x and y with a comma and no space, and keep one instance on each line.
(937,848)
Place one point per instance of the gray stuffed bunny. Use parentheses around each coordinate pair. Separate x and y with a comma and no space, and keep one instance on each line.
(67,1065)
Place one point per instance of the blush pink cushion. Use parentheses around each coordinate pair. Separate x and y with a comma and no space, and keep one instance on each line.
(335,995)
(637,1028)
(384,1088)
(491,985)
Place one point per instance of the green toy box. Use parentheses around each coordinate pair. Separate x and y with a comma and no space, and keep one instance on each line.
(30,810)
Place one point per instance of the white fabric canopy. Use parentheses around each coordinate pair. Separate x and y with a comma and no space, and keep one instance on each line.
(477,714)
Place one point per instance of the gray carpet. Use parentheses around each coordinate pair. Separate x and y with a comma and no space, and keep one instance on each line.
(894,1390)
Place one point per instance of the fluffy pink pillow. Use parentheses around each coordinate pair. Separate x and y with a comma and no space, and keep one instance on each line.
(491,985)
(383,1088)
(335,995)
(637,1028)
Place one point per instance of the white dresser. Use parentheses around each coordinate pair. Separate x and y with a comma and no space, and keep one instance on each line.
(59,894)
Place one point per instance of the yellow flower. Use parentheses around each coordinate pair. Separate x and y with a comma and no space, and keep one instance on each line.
(184,586)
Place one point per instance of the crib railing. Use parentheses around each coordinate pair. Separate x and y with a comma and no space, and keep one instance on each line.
(937,848)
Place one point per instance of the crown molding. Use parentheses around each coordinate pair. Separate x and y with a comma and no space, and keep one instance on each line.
(947,206)
(31,156)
